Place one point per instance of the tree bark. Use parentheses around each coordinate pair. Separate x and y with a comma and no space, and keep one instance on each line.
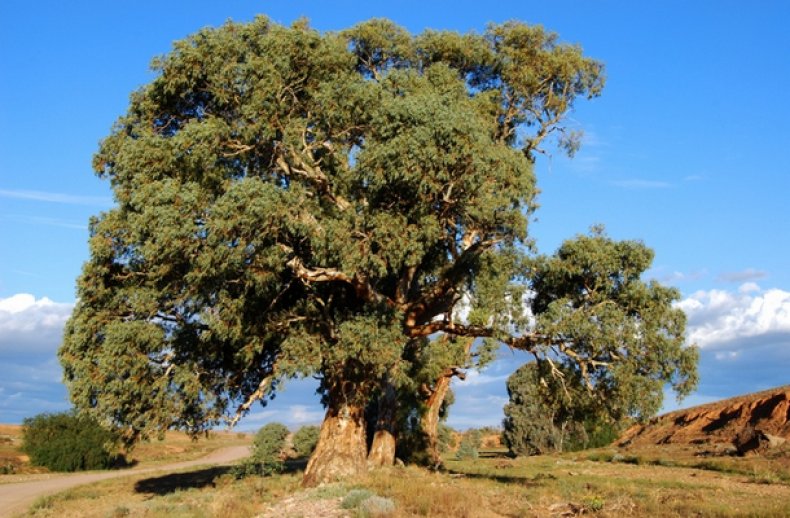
(382,450)
(430,419)
(341,447)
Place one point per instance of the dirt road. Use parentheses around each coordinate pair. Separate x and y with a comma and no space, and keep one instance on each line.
(16,497)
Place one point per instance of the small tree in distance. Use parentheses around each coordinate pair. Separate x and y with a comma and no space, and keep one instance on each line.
(305,439)
(267,451)
(469,447)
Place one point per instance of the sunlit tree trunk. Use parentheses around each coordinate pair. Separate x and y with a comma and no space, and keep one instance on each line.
(430,419)
(382,450)
(341,449)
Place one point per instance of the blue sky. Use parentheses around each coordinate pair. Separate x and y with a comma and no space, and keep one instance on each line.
(686,149)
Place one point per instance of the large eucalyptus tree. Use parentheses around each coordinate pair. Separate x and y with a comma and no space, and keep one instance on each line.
(290,203)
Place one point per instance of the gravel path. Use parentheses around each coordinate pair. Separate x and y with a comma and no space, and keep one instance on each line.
(16,497)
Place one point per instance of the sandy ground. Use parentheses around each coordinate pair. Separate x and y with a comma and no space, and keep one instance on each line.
(16,497)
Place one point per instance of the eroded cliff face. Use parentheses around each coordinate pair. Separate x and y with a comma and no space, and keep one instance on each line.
(721,422)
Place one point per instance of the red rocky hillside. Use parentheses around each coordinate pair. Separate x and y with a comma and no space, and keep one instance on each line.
(763,417)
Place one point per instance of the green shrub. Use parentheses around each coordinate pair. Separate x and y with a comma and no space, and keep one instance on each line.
(470,444)
(69,442)
(267,449)
(305,439)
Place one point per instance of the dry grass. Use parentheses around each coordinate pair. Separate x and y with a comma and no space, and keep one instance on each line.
(178,446)
(12,460)
(562,485)
(193,493)
(773,466)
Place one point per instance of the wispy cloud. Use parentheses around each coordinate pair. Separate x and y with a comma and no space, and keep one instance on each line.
(636,183)
(749,274)
(585,162)
(593,139)
(40,220)
(665,276)
(56,197)
(293,416)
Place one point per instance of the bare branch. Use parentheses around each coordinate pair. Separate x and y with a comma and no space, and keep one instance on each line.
(313,173)
(361,285)
(258,394)
(440,296)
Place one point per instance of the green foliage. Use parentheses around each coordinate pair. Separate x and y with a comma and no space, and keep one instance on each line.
(470,445)
(267,452)
(618,341)
(543,416)
(69,442)
(627,337)
(305,439)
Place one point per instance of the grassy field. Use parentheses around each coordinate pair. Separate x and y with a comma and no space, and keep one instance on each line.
(603,482)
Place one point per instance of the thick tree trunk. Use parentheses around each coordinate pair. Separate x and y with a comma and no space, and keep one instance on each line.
(430,419)
(341,447)
(382,450)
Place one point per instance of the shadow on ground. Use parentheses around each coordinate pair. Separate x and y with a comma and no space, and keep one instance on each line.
(504,479)
(198,479)
(179,481)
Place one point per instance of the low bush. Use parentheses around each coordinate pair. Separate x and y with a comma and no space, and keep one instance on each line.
(355,497)
(377,506)
(470,445)
(69,442)
(367,503)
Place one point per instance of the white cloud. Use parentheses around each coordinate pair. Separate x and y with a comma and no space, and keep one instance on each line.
(748,287)
(32,325)
(726,320)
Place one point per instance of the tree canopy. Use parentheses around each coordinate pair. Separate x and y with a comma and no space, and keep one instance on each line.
(291,203)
